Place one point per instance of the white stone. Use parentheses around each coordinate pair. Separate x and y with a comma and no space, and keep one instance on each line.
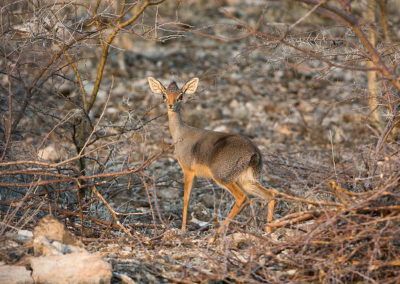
(70,268)
(10,274)
(49,153)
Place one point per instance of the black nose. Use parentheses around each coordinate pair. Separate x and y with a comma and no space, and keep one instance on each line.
(171,106)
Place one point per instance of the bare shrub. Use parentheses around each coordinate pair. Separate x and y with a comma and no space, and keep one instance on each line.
(337,218)
(59,138)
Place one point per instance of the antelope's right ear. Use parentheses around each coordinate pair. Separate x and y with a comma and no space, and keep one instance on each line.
(191,86)
(155,86)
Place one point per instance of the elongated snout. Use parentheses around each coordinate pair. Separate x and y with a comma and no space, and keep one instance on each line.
(174,107)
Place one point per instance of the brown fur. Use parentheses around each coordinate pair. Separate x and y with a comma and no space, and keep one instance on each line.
(233,161)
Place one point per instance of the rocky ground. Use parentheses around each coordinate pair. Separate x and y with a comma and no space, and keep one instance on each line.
(311,127)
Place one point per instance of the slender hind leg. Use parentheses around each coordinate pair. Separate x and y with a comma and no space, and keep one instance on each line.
(267,194)
(270,215)
(257,189)
(239,196)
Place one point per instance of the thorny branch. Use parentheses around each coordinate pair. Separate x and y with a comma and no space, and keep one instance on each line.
(351,234)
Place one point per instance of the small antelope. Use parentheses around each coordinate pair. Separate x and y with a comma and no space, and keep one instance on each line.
(232,161)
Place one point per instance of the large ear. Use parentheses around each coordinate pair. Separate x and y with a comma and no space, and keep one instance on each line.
(191,86)
(155,86)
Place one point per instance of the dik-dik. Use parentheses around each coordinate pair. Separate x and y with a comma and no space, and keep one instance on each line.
(231,160)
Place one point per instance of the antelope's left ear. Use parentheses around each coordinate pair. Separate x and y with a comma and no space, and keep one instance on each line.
(191,86)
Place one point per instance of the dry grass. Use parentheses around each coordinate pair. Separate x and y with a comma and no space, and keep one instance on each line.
(92,151)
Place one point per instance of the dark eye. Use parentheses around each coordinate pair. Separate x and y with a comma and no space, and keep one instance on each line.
(180,97)
(164,97)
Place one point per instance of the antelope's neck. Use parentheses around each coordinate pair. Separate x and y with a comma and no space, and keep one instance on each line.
(176,125)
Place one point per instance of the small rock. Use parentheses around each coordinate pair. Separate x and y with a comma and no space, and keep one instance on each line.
(25,234)
(339,136)
(305,106)
(112,110)
(291,272)
(201,212)
(21,237)
(169,193)
(171,234)
(70,268)
(252,108)
(222,128)
(241,237)
(53,230)
(49,153)
(124,278)
(10,274)
(42,246)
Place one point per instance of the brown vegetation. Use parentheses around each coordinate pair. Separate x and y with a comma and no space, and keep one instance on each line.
(314,83)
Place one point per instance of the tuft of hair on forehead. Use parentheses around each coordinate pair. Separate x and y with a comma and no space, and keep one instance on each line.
(173,87)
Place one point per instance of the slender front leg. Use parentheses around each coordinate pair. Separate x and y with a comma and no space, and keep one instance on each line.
(188,179)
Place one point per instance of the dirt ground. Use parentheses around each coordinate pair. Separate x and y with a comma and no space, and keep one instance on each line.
(304,123)
(311,127)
